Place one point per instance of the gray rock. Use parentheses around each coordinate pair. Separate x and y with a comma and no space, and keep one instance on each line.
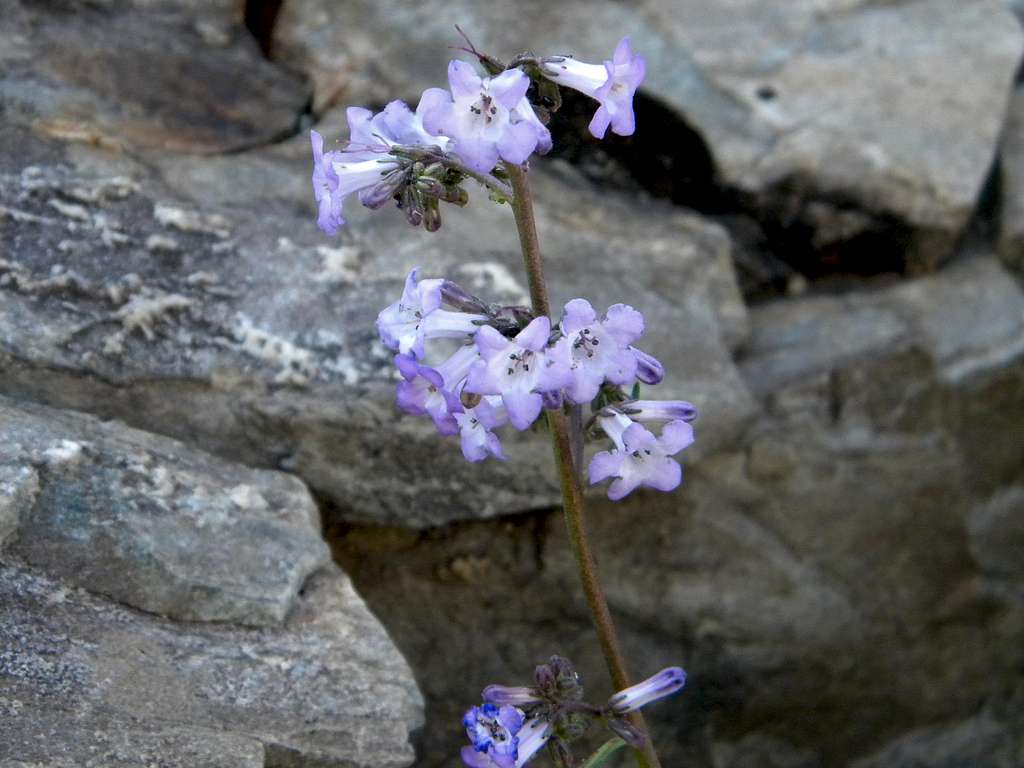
(152,523)
(801,104)
(1011,211)
(76,76)
(214,311)
(980,742)
(996,530)
(87,682)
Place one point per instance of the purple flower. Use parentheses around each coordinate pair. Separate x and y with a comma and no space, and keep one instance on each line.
(491,732)
(648,369)
(366,164)
(518,369)
(598,350)
(659,410)
(475,429)
(486,118)
(665,683)
(406,324)
(613,84)
(532,736)
(501,737)
(431,391)
(639,458)
(505,694)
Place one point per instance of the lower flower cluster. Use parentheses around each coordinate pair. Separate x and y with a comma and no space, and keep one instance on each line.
(507,367)
(514,723)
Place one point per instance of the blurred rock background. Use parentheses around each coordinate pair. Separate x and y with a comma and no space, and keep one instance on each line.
(821,215)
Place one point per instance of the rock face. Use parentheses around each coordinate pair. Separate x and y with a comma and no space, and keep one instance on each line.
(814,109)
(840,573)
(92,508)
(153,525)
(75,73)
(88,682)
(1011,212)
(840,579)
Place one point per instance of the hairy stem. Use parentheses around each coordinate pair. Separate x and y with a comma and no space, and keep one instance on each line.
(568,468)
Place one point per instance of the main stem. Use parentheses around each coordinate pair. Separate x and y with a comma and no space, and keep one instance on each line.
(568,474)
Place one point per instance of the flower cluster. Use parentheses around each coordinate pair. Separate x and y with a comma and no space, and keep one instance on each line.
(420,158)
(507,367)
(514,723)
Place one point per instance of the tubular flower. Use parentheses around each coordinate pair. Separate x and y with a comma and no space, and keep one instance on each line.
(366,164)
(486,118)
(598,350)
(639,458)
(613,84)
(416,317)
(665,683)
(431,391)
(518,369)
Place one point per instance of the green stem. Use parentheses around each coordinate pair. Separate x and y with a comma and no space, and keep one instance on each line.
(568,474)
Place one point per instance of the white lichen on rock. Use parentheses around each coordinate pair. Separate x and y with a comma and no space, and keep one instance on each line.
(495,278)
(143,313)
(191,221)
(338,265)
(297,365)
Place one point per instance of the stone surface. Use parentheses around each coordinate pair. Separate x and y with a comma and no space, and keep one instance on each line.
(886,109)
(203,303)
(73,72)
(1011,210)
(88,682)
(151,523)
(835,583)
(981,742)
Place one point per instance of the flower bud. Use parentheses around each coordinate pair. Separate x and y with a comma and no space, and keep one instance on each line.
(660,410)
(456,296)
(505,694)
(648,369)
(665,683)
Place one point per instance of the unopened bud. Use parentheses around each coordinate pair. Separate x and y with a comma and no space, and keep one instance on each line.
(665,683)
(456,296)
(648,369)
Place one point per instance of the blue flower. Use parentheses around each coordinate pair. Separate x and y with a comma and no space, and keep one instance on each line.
(502,737)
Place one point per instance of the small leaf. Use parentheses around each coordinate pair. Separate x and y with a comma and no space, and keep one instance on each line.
(635,394)
(605,751)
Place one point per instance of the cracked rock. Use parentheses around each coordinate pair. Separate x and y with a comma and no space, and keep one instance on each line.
(152,523)
(88,682)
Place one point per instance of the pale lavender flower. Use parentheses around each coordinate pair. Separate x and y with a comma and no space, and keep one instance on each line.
(648,369)
(486,118)
(365,164)
(325,187)
(532,737)
(406,324)
(613,84)
(598,350)
(476,427)
(518,369)
(639,458)
(491,732)
(431,391)
(510,694)
(665,683)
(659,410)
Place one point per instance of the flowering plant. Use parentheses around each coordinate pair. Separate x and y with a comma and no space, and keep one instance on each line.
(474,367)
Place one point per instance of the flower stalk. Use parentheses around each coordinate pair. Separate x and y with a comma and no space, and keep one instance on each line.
(568,472)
